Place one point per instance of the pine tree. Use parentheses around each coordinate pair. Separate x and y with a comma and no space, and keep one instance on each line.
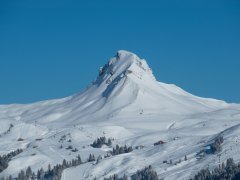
(99,158)
(125,177)
(79,160)
(28,172)
(91,158)
(65,164)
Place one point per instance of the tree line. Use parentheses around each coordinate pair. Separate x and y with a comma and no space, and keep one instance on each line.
(52,173)
(4,160)
(148,173)
(230,171)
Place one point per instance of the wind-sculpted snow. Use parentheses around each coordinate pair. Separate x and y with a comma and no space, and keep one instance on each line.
(128,105)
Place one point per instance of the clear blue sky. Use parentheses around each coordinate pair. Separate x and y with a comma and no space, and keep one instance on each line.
(53,48)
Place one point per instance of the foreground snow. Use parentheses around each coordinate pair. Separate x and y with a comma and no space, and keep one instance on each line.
(128,104)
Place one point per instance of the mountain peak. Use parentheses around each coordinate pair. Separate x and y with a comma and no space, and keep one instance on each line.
(126,55)
(124,64)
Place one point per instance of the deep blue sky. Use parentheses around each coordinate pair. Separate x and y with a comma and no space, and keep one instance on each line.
(53,48)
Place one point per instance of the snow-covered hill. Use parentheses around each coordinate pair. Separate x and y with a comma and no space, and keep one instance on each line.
(128,104)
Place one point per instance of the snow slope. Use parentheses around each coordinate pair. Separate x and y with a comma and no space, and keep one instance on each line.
(128,104)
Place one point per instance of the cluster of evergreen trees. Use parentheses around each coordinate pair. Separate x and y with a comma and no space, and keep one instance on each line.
(115,177)
(101,141)
(25,175)
(121,150)
(228,171)
(6,158)
(216,146)
(54,173)
(145,174)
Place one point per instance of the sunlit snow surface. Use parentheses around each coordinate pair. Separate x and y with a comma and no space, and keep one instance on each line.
(128,104)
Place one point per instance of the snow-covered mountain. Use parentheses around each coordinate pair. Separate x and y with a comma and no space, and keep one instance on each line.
(128,104)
